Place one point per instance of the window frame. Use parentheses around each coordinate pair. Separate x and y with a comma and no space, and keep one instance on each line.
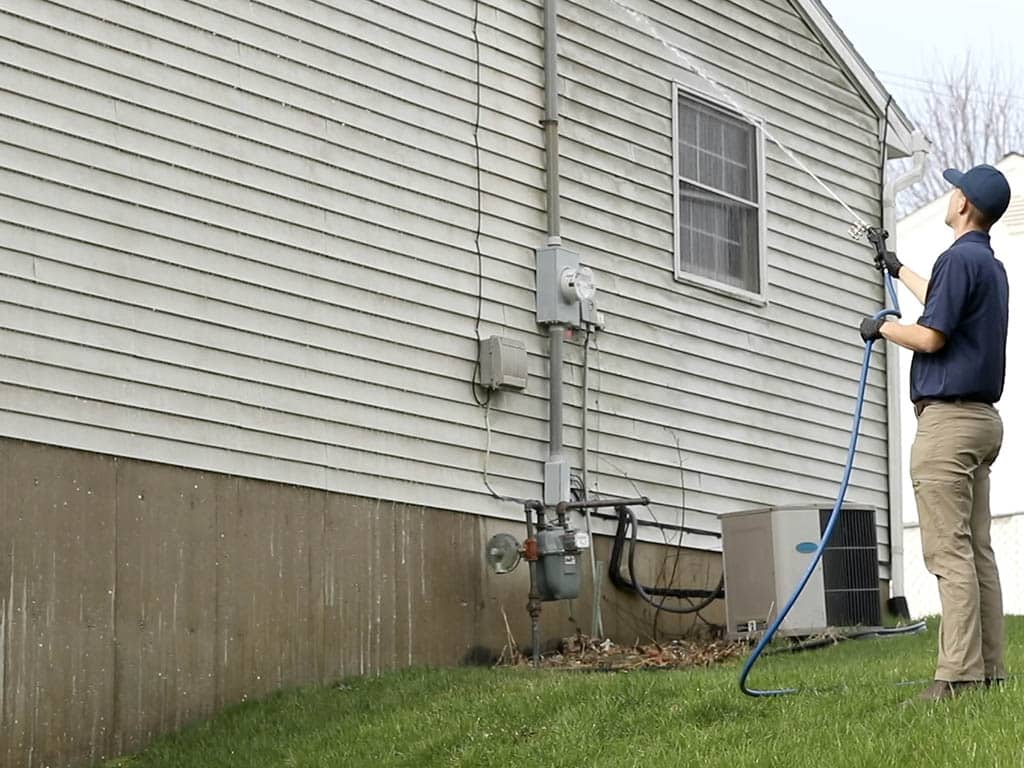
(760,297)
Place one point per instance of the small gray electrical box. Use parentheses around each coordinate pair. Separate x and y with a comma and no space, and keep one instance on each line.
(503,363)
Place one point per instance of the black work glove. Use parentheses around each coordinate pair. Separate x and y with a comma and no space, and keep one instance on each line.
(871,329)
(890,263)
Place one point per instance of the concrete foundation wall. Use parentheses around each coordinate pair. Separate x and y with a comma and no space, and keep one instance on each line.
(137,597)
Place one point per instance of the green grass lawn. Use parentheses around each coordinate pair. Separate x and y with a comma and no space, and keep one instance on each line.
(848,714)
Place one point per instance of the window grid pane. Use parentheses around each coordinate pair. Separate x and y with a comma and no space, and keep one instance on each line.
(719,238)
(717,150)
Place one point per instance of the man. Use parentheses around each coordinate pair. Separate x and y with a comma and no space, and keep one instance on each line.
(959,346)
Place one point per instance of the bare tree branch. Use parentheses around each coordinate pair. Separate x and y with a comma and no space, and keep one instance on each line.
(973,114)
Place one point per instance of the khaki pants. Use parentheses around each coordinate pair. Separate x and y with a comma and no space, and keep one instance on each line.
(949,465)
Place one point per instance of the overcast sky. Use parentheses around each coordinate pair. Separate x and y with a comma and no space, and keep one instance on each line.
(903,40)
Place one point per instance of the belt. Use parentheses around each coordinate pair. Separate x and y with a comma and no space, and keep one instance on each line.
(924,402)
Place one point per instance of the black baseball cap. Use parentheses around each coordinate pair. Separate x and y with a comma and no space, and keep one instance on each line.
(985,186)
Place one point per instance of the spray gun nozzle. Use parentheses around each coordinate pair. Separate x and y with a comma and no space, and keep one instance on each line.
(877,237)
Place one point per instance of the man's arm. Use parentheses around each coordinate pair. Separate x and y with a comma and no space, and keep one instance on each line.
(918,338)
(890,262)
(917,284)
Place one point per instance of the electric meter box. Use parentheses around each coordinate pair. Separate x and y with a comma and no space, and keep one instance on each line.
(552,305)
(765,553)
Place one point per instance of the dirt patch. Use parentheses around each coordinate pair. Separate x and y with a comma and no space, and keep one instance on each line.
(581,652)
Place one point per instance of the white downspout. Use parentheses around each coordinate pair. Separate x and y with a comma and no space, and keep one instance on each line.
(920,147)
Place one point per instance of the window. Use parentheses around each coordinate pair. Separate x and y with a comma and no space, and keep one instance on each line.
(719,199)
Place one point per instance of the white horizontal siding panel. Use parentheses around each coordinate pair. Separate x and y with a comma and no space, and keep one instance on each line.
(739,402)
(186,391)
(285,181)
(267,77)
(230,322)
(720,490)
(746,456)
(805,460)
(245,233)
(232,305)
(282,364)
(285,424)
(373,453)
(783,67)
(237,112)
(258,215)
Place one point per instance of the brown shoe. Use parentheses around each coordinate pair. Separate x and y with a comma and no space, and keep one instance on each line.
(940,690)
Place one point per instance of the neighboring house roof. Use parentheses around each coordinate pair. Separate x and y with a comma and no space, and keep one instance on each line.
(1012,165)
(927,214)
(901,129)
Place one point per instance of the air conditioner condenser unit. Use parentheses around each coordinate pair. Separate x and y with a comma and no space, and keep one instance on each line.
(766,552)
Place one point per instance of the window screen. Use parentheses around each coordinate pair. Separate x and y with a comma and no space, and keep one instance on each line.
(719,216)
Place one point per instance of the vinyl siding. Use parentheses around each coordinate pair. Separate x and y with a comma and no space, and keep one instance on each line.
(240,236)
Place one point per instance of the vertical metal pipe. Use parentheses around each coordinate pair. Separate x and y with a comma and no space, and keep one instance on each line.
(556,335)
(585,422)
(550,120)
(535,632)
(533,604)
(890,190)
(596,622)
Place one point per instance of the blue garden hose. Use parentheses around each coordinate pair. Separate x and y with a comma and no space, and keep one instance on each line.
(833,519)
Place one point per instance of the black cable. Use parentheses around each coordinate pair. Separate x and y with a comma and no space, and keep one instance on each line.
(646,594)
(479,216)
(825,642)
(615,575)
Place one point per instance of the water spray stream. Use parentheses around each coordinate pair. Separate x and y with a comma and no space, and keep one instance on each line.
(859,228)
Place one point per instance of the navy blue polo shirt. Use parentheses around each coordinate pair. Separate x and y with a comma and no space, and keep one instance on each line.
(968,302)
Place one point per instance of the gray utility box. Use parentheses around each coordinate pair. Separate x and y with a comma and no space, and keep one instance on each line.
(766,552)
(503,363)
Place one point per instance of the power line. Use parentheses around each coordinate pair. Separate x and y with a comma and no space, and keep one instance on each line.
(927,85)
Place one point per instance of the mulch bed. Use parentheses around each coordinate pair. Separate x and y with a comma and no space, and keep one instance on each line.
(584,653)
